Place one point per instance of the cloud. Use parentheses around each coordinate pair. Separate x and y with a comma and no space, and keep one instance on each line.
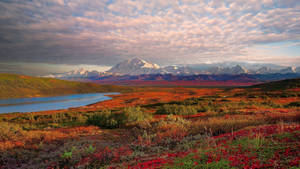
(179,31)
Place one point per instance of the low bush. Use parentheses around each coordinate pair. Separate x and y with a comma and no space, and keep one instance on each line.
(10,131)
(177,110)
(107,119)
(220,125)
(136,115)
(129,116)
(168,133)
(172,127)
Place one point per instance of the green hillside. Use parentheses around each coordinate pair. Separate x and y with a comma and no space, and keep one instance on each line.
(14,86)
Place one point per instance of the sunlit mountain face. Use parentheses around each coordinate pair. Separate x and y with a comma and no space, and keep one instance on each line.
(55,36)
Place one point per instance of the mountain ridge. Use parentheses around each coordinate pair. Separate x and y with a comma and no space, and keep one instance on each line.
(138,66)
(139,72)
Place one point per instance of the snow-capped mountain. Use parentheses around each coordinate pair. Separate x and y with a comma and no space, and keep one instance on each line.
(135,66)
(227,70)
(178,70)
(264,70)
(138,66)
(237,70)
(248,66)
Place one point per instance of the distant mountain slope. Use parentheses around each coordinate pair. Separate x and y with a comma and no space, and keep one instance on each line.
(279,85)
(13,86)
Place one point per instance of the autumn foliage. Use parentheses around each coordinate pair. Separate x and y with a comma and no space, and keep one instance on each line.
(161,128)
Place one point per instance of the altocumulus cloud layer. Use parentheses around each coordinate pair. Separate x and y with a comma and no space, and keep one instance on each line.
(177,31)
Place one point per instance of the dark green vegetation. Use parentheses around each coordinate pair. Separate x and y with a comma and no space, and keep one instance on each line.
(176,109)
(16,86)
(108,119)
(127,116)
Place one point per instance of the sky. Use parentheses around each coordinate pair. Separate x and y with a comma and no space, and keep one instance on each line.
(43,36)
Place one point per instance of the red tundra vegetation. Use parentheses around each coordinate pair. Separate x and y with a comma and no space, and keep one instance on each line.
(161,127)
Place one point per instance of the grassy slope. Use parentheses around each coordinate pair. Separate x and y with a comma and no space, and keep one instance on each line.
(14,86)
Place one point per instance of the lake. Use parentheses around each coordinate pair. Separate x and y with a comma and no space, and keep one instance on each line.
(50,103)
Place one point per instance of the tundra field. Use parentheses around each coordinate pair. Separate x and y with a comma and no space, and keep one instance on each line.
(162,127)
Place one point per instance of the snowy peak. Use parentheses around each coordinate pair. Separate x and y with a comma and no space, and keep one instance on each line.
(238,70)
(135,66)
(227,70)
(143,64)
(264,70)
(138,66)
(182,70)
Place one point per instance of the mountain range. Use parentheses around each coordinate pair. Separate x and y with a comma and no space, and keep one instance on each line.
(139,70)
(138,66)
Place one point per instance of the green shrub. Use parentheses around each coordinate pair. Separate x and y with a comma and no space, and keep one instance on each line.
(174,120)
(68,154)
(177,109)
(135,115)
(107,119)
(90,149)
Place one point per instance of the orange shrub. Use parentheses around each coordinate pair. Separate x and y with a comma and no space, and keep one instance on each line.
(173,127)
